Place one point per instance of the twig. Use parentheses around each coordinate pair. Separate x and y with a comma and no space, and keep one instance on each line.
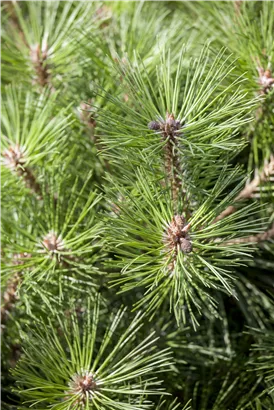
(87,116)
(9,298)
(249,189)
(176,238)
(10,294)
(14,159)
(39,60)
(237,6)
(30,181)
(169,130)
(12,15)
(261,237)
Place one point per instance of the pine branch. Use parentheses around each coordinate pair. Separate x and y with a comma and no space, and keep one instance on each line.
(86,362)
(249,189)
(254,239)
(88,117)
(39,60)
(14,159)
(87,111)
(10,293)
(9,297)
(61,235)
(237,6)
(168,130)
(170,257)
(12,16)
(176,239)
(46,42)
(32,133)
(176,233)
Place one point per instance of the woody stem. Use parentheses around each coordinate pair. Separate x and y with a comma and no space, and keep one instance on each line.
(30,181)
(172,167)
(261,237)
(249,189)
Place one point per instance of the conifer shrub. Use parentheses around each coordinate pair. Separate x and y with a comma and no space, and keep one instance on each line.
(137,166)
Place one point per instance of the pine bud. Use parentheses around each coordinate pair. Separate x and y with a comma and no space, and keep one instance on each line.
(14,158)
(185,245)
(82,385)
(154,125)
(54,247)
(53,243)
(266,80)
(177,234)
(168,127)
(171,124)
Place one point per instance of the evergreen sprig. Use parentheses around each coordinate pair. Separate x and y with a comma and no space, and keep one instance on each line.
(43,37)
(72,362)
(209,110)
(32,134)
(246,29)
(56,240)
(139,235)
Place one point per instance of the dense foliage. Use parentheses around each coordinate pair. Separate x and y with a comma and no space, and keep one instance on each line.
(137,205)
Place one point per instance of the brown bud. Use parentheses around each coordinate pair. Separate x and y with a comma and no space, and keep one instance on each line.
(82,385)
(154,125)
(185,245)
(53,243)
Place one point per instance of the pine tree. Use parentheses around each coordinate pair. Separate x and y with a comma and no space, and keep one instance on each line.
(137,205)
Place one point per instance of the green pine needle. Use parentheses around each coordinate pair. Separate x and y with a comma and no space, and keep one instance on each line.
(73,363)
(137,232)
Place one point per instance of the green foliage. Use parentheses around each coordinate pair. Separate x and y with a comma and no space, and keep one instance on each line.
(137,168)
(263,362)
(245,29)
(59,357)
(55,241)
(144,258)
(43,38)
(209,110)
(31,122)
